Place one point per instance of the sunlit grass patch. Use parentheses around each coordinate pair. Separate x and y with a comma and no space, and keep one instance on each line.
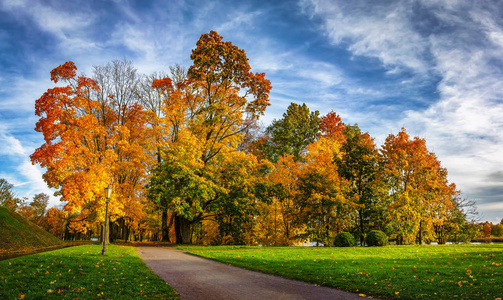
(81,272)
(406,272)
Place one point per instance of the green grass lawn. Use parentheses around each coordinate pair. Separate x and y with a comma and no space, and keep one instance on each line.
(81,272)
(405,272)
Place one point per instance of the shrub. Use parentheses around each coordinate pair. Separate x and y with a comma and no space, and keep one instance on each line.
(376,238)
(344,239)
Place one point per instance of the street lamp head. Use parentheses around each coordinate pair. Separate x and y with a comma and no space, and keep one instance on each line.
(108,192)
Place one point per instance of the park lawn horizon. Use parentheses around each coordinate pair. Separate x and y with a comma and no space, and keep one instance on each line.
(82,272)
(405,272)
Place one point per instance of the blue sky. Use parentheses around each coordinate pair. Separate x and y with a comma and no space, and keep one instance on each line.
(431,66)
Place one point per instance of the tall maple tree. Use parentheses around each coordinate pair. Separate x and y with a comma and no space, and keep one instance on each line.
(75,152)
(216,104)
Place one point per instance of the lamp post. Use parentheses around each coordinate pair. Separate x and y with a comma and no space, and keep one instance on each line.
(108,193)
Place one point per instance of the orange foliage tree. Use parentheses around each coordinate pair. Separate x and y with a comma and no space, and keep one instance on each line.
(92,139)
(419,194)
(278,224)
(324,208)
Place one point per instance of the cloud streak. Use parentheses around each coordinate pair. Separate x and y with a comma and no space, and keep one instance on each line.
(457,41)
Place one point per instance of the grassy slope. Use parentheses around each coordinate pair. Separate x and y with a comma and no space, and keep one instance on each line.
(81,272)
(18,234)
(405,272)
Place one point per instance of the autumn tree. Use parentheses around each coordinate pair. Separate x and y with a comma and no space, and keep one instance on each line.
(75,153)
(277,192)
(419,194)
(331,126)
(94,136)
(25,210)
(152,100)
(54,222)
(214,107)
(293,133)
(324,208)
(39,204)
(487,229)
(125,120)
(34,210)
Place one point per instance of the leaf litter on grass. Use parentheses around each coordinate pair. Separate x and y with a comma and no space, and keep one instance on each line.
(121,273)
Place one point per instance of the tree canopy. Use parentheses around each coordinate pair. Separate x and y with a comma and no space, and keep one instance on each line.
(187,160)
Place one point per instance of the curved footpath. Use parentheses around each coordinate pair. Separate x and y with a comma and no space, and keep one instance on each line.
(194,277)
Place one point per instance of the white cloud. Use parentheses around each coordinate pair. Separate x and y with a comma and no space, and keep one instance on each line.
(18,169)
(464,126)
(10,145)
(67,27)
(380,31)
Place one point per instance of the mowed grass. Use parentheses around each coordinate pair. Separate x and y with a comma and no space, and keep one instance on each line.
(401,272)
(81,272)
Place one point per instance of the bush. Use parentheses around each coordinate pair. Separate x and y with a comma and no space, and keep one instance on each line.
(376,238)
(344,239)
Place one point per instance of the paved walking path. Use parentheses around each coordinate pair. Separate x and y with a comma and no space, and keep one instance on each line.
(198,278)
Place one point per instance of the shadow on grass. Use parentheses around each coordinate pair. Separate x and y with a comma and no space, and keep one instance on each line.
(12,254)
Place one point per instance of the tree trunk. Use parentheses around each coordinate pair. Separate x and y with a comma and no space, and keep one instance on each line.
(178,233)
(164,226)
(362,229)
(112,229)
(186,231)
(420,235)
(182,230)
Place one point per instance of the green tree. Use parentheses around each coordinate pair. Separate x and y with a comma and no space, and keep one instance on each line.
(497,230)
(293,133)
(237,205)
(7,196)
(358,163)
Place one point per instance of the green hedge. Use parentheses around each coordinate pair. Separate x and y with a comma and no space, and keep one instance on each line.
(344,239)
(376,238)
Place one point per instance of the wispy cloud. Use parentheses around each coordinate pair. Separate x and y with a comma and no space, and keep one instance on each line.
(378,29)
(67,27)
(456,41)
(26,178)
